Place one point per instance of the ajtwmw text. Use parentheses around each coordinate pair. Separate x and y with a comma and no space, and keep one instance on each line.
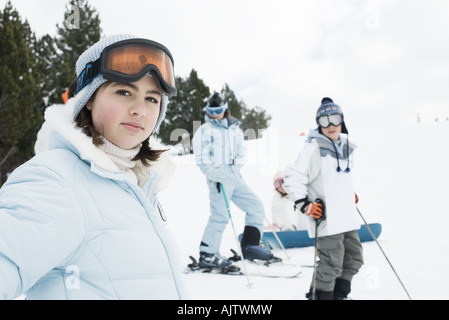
(226,310)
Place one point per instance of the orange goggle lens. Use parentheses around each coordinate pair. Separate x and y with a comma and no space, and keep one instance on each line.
(133,59)
(128,61)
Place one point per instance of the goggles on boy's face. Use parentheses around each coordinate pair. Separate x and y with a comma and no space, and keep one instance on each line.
(278,183)
(216,110)
(128,61)
(325,121)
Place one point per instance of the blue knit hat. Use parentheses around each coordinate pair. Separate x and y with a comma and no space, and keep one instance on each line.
(92,54)
(329,107)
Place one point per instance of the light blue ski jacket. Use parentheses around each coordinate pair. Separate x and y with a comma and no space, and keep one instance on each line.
(219,142)
(73,226)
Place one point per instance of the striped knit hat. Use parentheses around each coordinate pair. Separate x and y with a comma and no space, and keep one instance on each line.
(92,54)
(329,107)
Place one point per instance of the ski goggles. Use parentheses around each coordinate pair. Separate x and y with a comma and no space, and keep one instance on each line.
(128,61)
(278,183)
(325,121)
(216,110)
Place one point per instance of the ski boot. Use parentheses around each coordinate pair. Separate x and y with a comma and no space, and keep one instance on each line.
(341,289)
(256,252)
(213,261)
(251,249)
(320,295)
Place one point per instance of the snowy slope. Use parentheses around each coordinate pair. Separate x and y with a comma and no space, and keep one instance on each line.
(401,181)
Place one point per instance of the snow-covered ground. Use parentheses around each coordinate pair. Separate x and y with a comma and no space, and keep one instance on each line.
(401,180)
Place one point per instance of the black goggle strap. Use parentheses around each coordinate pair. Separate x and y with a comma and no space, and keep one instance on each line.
(89,73)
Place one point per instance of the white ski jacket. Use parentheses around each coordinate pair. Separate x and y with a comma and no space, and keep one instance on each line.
(314,175)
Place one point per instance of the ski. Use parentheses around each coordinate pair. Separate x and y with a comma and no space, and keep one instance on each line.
(269,269)
(235,257)
(281,274)
(284,275)
(195,266)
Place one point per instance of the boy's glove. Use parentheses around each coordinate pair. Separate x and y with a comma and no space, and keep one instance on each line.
(356,198)
(313,209)
(215,174)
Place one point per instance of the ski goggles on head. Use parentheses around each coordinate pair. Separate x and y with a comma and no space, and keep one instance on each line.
(216,110)
(278,183)
(326,120)
(128,61)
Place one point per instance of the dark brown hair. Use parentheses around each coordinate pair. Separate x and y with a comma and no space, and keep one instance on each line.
(85,122)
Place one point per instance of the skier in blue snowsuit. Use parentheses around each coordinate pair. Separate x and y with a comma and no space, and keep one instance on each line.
(219,151)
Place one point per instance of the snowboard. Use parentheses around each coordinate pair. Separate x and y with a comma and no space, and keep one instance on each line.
(300,238)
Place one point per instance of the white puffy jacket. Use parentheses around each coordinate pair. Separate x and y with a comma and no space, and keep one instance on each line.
(73,226)
(314,175)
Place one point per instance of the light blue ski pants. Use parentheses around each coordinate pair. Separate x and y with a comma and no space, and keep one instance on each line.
(242,196)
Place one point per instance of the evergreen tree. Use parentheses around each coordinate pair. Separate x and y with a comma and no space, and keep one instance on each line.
(235,107)
(45,51)
(185,111)
(20,116)
(254,121)
(80,30)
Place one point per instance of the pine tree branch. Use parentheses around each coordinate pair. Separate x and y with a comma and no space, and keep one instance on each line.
(8,154)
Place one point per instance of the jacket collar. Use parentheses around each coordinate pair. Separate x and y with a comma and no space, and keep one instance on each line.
(225,122)
(325,143)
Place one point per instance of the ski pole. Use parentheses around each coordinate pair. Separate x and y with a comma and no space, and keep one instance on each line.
(235,236)
(277,238)
(314,262)
(375,239)
(317,223)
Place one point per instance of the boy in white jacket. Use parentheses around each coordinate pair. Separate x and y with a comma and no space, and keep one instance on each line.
(320,184)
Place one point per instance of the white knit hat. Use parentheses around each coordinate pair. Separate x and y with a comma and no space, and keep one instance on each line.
(92,54)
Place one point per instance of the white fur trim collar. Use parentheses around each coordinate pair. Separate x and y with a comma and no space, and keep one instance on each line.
(59,119)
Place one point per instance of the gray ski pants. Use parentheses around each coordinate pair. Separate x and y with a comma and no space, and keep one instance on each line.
(340,256)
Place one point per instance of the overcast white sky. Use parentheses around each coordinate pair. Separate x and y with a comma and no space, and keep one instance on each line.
(379,60)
